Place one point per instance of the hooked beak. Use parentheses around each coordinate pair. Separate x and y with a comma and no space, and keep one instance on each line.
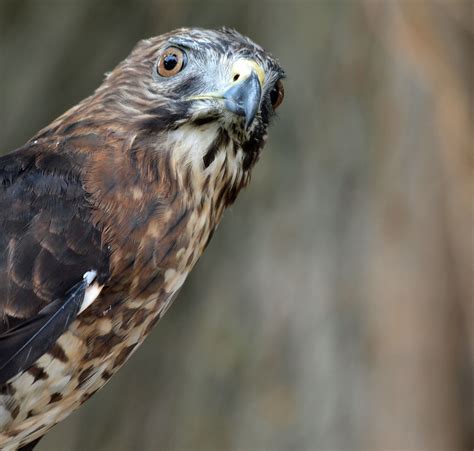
(244,94)
(243,98)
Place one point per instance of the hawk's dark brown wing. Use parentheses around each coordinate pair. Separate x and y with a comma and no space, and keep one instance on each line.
(47,244)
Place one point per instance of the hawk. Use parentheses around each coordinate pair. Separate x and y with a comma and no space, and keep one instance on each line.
(105,211)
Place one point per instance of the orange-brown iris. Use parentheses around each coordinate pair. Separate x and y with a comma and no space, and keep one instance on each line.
(277,94)
(171,62)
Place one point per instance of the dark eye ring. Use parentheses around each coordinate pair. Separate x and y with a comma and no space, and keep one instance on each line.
(171,62)
(277,94)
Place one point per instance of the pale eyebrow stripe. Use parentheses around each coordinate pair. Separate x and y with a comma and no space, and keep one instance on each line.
(184,42)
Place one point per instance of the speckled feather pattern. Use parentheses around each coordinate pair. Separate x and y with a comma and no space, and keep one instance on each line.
(130,184)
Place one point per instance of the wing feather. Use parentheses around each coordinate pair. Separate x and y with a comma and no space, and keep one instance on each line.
(48,242)
(21,346)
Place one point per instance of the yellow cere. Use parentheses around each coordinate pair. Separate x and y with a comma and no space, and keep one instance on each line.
(245,67)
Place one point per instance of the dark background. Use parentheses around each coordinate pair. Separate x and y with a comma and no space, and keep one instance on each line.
(334,308)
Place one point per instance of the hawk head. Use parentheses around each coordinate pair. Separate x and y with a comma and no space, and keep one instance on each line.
(198,92)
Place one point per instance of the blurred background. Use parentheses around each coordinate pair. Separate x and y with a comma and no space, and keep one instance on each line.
(334,309)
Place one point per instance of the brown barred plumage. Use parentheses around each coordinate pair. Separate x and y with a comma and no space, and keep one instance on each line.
(105,211)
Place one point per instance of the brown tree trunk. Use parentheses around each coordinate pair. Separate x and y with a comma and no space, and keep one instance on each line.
(421,270)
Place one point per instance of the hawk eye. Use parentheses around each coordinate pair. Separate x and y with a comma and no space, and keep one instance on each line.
(277,94)
(171,62)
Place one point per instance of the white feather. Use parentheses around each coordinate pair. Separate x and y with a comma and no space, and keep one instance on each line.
(92,291)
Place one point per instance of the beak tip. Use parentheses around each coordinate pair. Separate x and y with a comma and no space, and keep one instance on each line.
(249,120)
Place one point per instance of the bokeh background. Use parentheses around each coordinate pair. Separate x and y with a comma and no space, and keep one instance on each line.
(334,309)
